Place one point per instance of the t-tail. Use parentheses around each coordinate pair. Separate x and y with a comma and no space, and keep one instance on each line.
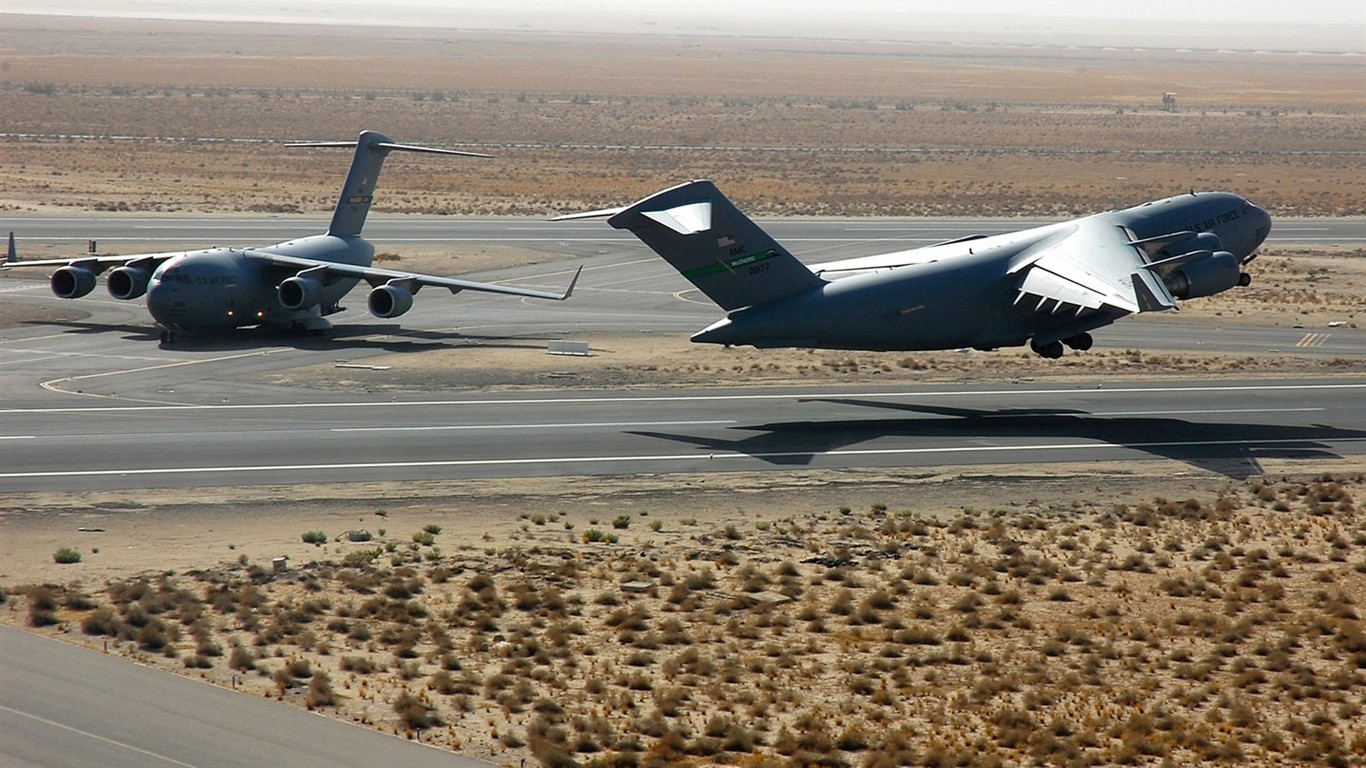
(715,246)
(359,190)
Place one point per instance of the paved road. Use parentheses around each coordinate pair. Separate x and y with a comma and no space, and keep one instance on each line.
(1226,426)
(148,416)
(67,706)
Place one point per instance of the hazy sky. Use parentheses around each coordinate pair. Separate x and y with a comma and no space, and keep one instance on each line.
(836,17)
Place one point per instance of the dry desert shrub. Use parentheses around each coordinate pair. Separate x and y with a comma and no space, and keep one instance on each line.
(1045,632)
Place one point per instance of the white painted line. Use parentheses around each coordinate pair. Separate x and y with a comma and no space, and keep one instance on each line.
(691,457)
(96,736)
(563,425)
(1202,411)
(589,399)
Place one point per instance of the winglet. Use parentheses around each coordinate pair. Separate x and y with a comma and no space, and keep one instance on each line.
(1151,294)
(570,290)
(10,256)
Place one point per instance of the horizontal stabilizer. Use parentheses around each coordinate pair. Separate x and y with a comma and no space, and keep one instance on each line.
(598,214)
(715,246)
(685,219)
(388,146)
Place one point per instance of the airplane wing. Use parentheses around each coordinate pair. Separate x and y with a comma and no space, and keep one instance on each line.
(322,270)
(1094,266)
(95,264)
(327,271)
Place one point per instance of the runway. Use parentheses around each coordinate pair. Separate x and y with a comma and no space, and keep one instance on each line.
(96,403)
(1221,426)
(66,706)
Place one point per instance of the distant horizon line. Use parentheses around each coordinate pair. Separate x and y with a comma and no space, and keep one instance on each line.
(1020,29)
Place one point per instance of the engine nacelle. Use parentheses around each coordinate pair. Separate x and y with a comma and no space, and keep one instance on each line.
(127,282)
(72,282)
(1217,272)
(300,293)
(390,300)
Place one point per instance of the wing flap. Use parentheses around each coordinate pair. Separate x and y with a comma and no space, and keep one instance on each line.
(1090,267)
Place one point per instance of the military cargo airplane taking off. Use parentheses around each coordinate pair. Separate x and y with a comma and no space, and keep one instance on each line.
(293,284)
(1048,286)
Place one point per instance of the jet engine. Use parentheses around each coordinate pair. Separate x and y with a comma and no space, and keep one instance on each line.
(1205,277)
(72,282)
(300,292)
(390,300)
(127,282)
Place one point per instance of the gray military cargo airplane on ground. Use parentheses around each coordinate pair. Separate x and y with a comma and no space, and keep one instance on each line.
(293,284)
(1048,286)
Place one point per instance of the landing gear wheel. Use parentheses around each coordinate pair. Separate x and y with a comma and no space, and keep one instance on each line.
(1244,279)
(1052,350)
(167,337)
(1081,342)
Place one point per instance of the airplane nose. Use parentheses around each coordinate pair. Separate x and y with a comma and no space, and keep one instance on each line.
(1252,230)
(1263,226)
(164,304)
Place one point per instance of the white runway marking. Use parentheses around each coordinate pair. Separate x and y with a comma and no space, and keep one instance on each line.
(97,737)
(689,457)
(564,425)
(589,400)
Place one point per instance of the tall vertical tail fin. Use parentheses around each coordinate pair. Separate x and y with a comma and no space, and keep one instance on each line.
(359,189)
(715,246)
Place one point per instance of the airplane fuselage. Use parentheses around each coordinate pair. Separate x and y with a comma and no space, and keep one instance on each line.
(967,293)
(218,289)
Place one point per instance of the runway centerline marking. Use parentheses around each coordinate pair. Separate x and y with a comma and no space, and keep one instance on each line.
(1195,411)
(647,399)
(692,457)
(96,736)
(561,425)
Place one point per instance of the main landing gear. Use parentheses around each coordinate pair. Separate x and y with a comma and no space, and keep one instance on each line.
(1053,349)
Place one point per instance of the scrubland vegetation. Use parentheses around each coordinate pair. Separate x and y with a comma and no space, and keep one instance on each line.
(786,127)
(1203,630)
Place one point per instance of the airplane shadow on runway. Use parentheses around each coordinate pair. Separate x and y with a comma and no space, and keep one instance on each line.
(1233,450)
(373,337)
(131,332)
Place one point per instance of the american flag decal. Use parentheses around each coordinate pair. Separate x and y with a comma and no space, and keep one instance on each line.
(725,242)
